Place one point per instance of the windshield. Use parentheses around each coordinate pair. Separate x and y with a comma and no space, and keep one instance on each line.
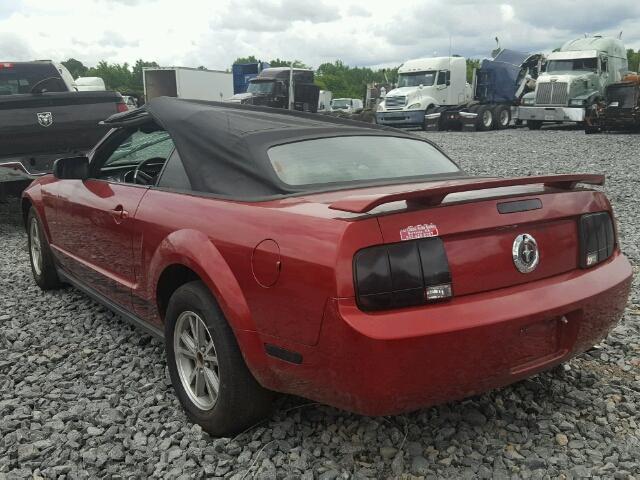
(577,64)
(20,78)
(342,103)
(260,87)
(357,158)
(417,78)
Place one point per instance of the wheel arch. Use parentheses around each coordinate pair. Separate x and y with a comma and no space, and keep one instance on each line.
(26,205)
(191,255)
(429,102)
(188,255)
(32,198)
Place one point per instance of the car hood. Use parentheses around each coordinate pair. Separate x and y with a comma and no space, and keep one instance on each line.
(401,92)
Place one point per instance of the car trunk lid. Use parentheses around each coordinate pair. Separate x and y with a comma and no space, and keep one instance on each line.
(479,221)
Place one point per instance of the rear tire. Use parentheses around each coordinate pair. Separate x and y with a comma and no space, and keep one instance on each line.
(534,124)
(206,367)
(43,266)
(486,118)
(503,117)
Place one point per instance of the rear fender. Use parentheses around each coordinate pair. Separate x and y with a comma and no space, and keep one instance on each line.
(194,250)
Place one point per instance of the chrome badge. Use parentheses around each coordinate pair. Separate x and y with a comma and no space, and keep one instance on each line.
(525,253)
(45,119)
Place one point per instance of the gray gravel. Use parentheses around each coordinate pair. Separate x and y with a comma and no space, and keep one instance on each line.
(84,395)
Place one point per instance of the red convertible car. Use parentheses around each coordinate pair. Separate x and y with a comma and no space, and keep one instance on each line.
(350,264)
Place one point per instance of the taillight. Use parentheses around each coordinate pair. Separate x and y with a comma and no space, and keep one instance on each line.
(402,274)
(5,65)
(597,238)
(122,107)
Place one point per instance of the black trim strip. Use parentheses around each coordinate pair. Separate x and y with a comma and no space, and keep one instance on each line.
(98,297)
(520,206)
(283,354)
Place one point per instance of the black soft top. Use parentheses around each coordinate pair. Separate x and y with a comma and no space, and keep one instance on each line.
(224,146)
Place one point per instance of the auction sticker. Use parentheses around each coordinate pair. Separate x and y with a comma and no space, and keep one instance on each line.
(419,231)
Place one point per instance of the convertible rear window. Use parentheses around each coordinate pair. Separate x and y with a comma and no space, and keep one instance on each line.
(356,158)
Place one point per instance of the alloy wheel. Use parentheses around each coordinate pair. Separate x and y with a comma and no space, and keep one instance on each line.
(196,360)
(36,246)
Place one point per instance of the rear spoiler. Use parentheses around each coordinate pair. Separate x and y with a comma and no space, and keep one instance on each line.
(434,193)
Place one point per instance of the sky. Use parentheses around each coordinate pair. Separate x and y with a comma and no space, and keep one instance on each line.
(213,33)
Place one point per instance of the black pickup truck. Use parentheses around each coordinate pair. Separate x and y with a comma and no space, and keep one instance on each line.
(43,117)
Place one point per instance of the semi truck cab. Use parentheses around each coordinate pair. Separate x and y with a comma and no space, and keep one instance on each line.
(575,79)
(424,84)
(271,88)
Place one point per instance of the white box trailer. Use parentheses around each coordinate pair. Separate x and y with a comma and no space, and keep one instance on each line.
(183,82)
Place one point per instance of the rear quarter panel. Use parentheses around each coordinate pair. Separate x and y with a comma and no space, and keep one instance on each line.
(217,239)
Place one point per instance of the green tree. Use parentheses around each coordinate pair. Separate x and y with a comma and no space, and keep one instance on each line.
(351,82)
(285,63)
(634,59)
(116,76)
(472,64)
(249,59)
(75,67)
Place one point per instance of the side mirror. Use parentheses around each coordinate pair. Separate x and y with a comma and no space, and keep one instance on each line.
(71,168)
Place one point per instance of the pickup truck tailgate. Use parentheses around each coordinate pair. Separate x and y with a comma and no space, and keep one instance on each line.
(54,122)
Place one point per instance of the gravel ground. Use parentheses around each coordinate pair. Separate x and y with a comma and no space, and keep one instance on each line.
(85,395)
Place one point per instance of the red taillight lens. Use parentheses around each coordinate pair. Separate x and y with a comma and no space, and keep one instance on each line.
(402,274)
(121,107)
(5,65)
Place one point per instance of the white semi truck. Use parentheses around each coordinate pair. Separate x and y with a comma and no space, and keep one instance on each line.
(423,85)
(574,81)
(190,83)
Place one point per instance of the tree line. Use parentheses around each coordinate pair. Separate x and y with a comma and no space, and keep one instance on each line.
(342,80)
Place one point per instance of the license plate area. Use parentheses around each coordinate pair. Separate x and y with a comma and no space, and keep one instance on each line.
(539,343)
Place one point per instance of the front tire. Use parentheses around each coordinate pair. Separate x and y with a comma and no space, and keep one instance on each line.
(43,266)
(206,367)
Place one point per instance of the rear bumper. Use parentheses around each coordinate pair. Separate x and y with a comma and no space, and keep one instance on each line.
(551,114)
(27,167)
(395,362)
(401,118)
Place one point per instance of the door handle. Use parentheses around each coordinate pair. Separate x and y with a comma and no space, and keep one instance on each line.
(119,213)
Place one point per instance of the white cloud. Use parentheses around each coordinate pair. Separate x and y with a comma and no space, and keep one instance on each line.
(201,32)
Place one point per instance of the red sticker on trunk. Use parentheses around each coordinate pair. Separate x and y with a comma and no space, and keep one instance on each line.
(419,231)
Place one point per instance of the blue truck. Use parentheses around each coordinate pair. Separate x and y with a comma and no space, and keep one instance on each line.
(243,73)
(497,88)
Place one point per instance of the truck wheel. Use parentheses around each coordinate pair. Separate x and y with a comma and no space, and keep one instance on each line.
(503,117)
(42,263)
(485,118)
(430,109)
(534,124)
(206,367)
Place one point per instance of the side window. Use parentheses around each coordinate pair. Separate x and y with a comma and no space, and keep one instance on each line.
(138,158)
(174,175)
(443,76)
(138,147)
